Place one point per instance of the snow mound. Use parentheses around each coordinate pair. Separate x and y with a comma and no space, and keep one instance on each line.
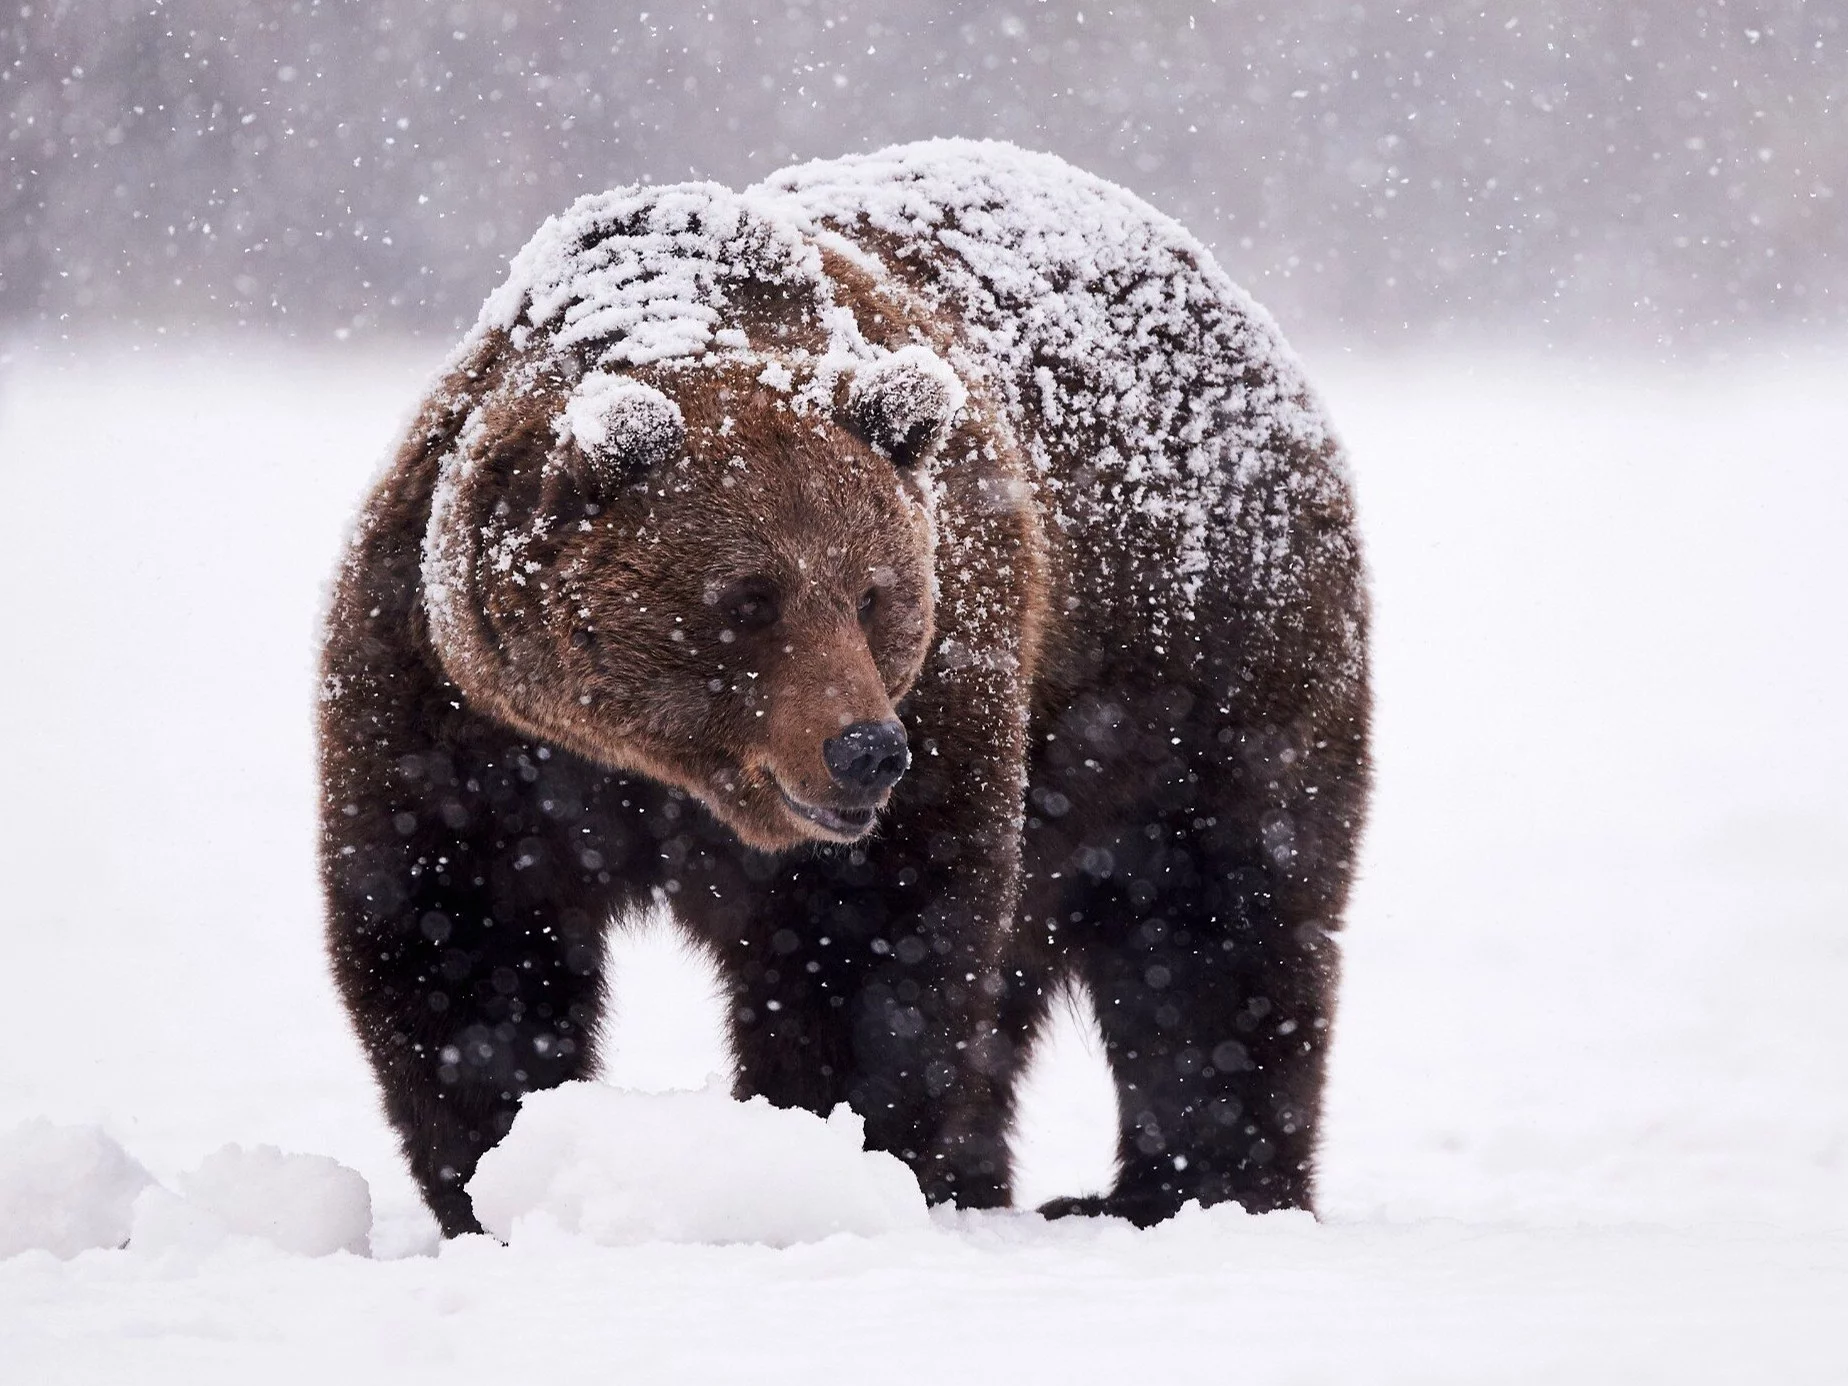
(306,1205)
(65,1189)
(622,1168)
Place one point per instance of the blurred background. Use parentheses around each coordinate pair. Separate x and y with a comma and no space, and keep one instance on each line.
(1656,176)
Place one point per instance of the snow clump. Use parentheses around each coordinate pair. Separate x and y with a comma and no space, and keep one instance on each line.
(306,1205)
(65,1189)
(622,1168)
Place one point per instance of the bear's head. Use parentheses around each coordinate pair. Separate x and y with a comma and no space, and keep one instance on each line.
(712,567)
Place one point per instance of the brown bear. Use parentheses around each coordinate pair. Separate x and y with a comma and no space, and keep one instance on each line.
(928,575)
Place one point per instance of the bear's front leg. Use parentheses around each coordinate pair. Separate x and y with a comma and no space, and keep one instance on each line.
(466,933)
(854,976)
(459,1021)
(929,1063)
(866,974)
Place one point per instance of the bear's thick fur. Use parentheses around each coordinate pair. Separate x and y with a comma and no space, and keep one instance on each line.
(724,488)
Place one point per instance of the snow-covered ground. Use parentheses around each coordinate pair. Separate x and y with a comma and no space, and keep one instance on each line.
(1588,1119)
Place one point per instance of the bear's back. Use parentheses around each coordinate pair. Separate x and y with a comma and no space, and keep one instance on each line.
(1178,450)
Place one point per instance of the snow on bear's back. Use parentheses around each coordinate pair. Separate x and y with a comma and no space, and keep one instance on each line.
(1058,264)
(1119,341)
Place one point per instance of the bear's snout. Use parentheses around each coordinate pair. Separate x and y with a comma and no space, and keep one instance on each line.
(868,757)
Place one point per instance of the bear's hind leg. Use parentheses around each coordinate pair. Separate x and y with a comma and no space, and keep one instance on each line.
(1214,1008)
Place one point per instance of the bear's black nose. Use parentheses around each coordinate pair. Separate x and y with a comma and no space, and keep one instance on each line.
(868,757)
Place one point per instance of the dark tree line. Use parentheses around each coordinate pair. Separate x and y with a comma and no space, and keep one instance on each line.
(1654,171)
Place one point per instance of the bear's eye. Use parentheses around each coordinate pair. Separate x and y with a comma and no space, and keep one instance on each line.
(752,603)
(868,603)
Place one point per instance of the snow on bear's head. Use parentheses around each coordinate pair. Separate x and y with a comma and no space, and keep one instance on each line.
(684,529)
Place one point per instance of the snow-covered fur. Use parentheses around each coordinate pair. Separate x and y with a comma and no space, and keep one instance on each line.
(722,484)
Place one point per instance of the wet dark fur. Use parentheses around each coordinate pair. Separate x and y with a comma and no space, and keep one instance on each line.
(472,864)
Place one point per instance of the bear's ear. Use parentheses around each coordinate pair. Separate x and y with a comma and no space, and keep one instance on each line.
(904,400)
(621,426)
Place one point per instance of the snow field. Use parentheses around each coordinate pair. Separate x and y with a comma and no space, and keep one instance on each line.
(1588,1113)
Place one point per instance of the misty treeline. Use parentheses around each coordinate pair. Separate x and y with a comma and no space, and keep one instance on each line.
(1651,172)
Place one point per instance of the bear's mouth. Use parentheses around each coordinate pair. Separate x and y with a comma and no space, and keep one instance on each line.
(844,823)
